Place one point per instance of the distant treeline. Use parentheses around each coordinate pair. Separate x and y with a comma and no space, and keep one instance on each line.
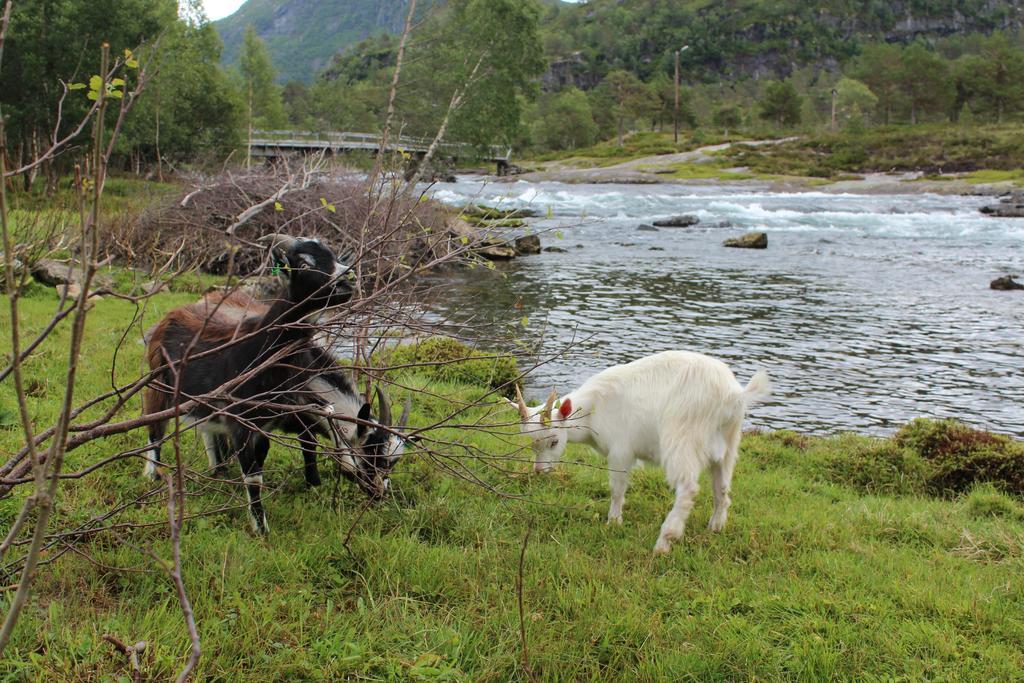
(538,76)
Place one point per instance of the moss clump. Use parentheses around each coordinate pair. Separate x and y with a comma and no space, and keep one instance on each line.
(986,501)
(444,359)
(959,456)
(878,466)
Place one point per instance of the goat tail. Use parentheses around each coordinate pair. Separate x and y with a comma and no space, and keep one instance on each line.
(759,388)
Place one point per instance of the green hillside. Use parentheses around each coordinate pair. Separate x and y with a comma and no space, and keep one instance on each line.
(302,35)
(754,38)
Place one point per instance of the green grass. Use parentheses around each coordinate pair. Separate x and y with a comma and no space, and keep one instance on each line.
(833,566)
(1015,176)
(987,154)
(640,144)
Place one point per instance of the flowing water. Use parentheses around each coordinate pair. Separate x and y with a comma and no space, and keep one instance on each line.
(867,310)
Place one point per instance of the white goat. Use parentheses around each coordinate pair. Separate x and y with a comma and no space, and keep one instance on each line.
(678,409)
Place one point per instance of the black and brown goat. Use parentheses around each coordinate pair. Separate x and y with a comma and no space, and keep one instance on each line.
(372,453)
(242,380)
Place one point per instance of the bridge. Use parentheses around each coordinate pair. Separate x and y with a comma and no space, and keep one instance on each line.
(273,144)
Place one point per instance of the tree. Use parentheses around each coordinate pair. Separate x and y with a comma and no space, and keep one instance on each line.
(298,103)
(924,80)
(854,100)
(467,67)
(727,117)
(995,78)
(564,121)
(39,56)
(781,104)
(191,106)
(262,96)
(628,96)
(879,68)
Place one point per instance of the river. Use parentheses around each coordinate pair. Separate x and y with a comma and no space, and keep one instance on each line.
(866,310)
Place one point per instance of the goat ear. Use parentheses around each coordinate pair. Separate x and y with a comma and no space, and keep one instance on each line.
(566,408)
(364,417)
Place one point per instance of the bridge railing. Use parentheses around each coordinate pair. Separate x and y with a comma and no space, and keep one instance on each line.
(341,139)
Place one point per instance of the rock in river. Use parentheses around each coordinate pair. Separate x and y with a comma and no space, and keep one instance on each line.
(1011,206)
(1005,283)
(751,240)
(527,244)
(677,222)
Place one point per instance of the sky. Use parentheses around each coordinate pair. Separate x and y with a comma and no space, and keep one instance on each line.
(216,9)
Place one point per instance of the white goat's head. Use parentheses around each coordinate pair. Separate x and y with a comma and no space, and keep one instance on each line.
(544,425)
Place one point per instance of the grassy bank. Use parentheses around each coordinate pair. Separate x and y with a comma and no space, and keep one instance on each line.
(977,154)
(838,562)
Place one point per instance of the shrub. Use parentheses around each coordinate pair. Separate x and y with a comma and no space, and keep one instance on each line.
(960,456)
(444,359)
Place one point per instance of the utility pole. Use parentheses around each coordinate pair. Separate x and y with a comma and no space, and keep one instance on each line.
(675,113)
(835,94)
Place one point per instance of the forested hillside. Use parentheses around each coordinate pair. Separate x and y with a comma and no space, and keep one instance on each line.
(755,38)
(303,35)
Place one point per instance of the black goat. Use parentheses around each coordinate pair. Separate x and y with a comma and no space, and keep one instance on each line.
(373,453)
(242,379)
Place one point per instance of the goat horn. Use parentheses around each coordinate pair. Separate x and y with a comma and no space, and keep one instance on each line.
(545,415)
(277,239)
(406,409)
(385,407)
(524,413)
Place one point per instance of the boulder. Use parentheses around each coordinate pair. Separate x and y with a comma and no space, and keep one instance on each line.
(751,240)
(496,252)
(1005,283)
(54,273)
(527,244)
(677,222)
(19,269)
(1011,206)
(555,250)
(646,228)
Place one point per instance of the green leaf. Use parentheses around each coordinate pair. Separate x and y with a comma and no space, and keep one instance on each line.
(95,83)
(278,206)
(76,86)
(524,321)
(330,207)
(551,211)
(558,234)
(93,94)
(464,240)
(116,94)
(323,202)
(132,64)
(116,82)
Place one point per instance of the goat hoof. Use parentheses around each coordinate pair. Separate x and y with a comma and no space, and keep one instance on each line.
(662,547)
(313,480)
(615,521)
(716,524)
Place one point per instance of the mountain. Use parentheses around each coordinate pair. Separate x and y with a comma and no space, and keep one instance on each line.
(749,38)
(303,35)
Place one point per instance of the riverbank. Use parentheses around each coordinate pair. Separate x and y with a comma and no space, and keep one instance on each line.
(898,160)
(834,543)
